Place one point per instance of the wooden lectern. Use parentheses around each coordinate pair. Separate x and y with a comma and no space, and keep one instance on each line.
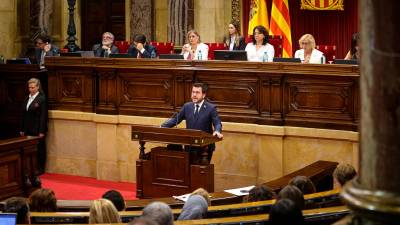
(163,172)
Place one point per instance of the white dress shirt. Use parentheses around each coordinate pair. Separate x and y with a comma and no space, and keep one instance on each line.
(255,55)
(30,100)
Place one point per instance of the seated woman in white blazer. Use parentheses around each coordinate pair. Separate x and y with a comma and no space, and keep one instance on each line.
(308,53)
(259,48)
(194,50)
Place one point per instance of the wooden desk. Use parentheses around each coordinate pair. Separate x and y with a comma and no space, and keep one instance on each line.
(17,165)
(290,94)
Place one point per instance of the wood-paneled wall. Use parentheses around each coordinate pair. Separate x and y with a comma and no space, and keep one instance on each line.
(324,96)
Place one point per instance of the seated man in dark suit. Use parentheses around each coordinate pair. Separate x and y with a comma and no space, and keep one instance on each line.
(106,47)
(139,48)
(44,48)
(199,115)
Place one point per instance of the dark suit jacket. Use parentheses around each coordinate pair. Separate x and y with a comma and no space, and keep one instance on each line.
(242,43)
(99,51)
(207,118)
(149,51)
(34,120)
(54,51)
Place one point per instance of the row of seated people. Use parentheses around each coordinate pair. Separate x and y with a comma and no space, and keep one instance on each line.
(287,208)
(261,47)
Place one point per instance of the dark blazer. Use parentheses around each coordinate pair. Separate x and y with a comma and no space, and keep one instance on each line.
(242,43)
(34,120)
(99,51)
(208,116)
(149,51)
(54,51)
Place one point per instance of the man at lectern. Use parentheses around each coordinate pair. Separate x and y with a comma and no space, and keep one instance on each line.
(199,115)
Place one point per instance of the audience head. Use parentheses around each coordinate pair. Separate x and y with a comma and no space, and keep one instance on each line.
(19,206)
(116,198)
(139,38)
(42,200)
(199,91)
(293,193)
(307,42)
(260,34)
(304,184)
(234,28)
(142,221)
(261,193)
(285,212)
(204,193)
(344,173)
(194,208)
(42,40)
(193,37)
(355,41)
(34,86)
(159,212)
(103,211)
(108,38)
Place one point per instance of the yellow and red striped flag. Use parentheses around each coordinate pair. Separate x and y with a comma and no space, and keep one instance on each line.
(258,15)
(280,25)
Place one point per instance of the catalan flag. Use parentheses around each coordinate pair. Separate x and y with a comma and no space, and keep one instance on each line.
(280,25)
(258,15)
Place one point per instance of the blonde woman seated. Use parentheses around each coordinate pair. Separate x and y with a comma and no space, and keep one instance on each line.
(307,52)
(259,50)
(103,211)
(194,50)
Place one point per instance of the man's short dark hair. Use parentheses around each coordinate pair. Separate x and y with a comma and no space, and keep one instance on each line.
(140,38)
(19,206)
(344,173)
(293,193)
(44,38)
(304,184)
(203,86)
(261,193)
(285,212)
(116,198)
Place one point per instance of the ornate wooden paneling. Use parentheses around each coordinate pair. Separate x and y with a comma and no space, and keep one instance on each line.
(17,165)
(232,92)
(292,94)
(146,90)
(315,99)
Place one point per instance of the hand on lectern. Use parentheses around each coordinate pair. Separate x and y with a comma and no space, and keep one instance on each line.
(218,134)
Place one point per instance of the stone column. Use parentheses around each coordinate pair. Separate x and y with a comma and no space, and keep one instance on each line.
(375,195)
(181,20)
(142,18)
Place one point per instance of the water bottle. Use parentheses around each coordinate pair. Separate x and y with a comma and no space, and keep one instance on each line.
(323,59)
(265,57)
(199,55)
(153,55)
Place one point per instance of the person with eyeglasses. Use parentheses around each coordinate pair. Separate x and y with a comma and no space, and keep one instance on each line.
(307,52)
(194,50)
(43,48)
(140,48)
(106,47)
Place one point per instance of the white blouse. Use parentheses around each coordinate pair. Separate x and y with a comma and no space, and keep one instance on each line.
(257,55)
(315,57)
(203,48)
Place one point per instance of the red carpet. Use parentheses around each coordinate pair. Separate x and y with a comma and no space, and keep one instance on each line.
(68,187)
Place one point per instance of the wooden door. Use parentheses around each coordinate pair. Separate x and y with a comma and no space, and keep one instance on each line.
(99,16)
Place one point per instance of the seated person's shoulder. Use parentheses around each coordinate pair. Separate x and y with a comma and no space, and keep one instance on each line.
(96,46)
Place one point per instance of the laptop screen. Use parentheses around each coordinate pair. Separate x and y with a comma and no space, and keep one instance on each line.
(8,218)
